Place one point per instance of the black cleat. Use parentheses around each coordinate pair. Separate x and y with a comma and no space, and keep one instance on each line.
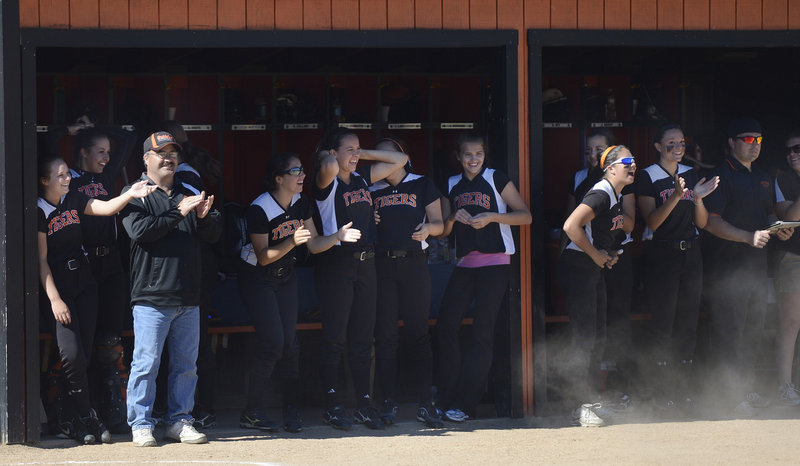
(292,422)
(257,419)
(429,415)
(388,411)
(96,427)
(336,417)
(370,417)
(76,430)
(204,419)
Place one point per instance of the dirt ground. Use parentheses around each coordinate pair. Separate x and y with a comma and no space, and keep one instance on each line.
(770,439)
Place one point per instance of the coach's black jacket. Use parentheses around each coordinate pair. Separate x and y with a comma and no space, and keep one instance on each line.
(165,247)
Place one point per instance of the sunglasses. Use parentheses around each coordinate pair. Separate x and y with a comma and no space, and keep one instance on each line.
(795,149)
(625,161)
(294,171)
(750,139)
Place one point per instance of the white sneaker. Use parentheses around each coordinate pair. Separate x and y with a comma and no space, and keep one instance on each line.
(757,401)
(745,410)
(587,416)
(788,395)
(144,437)
(183,431)
(455,415)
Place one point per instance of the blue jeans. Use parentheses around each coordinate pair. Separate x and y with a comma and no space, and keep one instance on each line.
(152,327)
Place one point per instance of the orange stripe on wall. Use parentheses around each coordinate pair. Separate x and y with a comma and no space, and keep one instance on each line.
(722,14)
(775,14)
(344,14)
(143,14)
(29,13)
(288,14)
(173,14)
(260,14)
(428,14)
(564,14)
(317,14)
(483,14)
(202,14)
(113,14)
(793,18)
(696,15)
(372,15)
(590,14)
(232,14)
(400,14)
(54,13)
(670,15)
(455,14)
(537,14)
(748,15)
(84,14)
(617,14)
(644,15)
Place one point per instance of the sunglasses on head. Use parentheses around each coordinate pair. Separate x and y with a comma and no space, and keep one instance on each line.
(750,139)
(625,161)
(294,171)
(795,149)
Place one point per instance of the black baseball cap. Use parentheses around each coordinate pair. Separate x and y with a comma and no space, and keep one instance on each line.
(159,140)
(743,125)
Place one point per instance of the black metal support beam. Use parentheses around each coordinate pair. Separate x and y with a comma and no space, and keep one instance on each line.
(15,409)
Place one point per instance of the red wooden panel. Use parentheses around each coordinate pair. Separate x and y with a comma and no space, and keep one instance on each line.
(232,14)
(455,14)
(83,14)
(113,14)
(260,14)
(29,13)
(564,14)
(317,14)
(537,14)
(173,14)
(617,14)
(670,14)
(483,14)
(400,14)
(644,14)
(590,14)
(143,14)
(203,14)
(54,13)
(696,15)
(428,14)
(344,14)
(748,15)
(794,15)
(722,14)
(510,15)
(288,14)
(775,14)
(372,15)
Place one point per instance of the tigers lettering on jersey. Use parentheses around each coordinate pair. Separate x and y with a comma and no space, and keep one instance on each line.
(687,196)
(616,222)
(361,195)
(68,217)
(286,229)
(473,198)
(396,199)
(93,189)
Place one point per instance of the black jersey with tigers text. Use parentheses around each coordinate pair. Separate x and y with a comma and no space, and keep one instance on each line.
(401,209)
(340,203)
(605,230)
(63,226)
(476,196)
(266,216)
(97,231)
(654,181)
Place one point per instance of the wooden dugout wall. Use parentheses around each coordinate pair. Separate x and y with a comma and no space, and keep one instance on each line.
(520,15)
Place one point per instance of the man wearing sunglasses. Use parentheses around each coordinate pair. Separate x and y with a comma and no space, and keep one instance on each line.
(736,266)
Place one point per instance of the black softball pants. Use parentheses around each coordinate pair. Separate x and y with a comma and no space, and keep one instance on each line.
(462,380)
(404,291)
(619,294)
(272,306)
(79,291)
(347,293)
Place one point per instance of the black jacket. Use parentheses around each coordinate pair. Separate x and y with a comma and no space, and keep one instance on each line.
(165,247)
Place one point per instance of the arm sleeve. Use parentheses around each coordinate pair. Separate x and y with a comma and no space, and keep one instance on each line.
(257,222)
(366,172)
(209,228)
(41,221)
(500,180)
(430,193)
(125,141)
(644,185)
(715,202)
(597,200)
(146,227)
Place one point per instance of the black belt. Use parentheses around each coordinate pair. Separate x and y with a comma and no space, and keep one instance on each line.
(100,251)
(279,272)
(677,244)
(401,253)
(359,254)
(73,264)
